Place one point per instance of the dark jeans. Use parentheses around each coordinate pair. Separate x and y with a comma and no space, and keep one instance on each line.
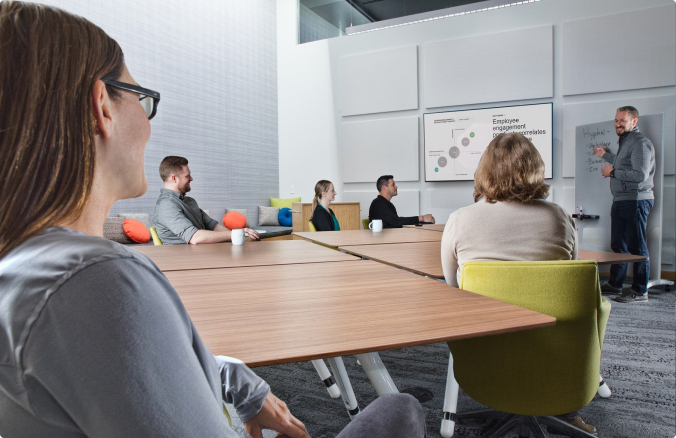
(628,220)
(389,416)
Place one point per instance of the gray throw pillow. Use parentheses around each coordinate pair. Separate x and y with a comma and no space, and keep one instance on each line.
(144,218)
(112,230)
(268,216)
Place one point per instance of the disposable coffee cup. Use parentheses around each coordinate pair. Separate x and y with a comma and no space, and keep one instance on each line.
(376,225)
(238,236)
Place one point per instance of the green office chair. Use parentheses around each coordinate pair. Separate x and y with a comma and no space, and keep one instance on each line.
(225,410)
(532,375)
(311,226)
(156,238)
(365,223)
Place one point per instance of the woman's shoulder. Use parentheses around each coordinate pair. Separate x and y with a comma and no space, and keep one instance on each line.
(551,207)
(503,209)
(469,211)
(319,209)
(38,270)
(62,249)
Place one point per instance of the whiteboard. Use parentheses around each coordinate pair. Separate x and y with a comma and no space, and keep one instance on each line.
(455,140)
(592,190)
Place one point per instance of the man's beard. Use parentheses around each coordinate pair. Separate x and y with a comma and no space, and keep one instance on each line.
(185,189)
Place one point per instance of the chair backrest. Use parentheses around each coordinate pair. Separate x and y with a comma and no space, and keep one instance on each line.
(365,223)
(156,238)
(311,226)
(546,371)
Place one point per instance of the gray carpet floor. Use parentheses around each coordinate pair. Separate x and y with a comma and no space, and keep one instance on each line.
(638,363)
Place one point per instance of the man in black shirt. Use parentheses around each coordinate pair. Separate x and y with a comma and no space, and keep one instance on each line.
(382,208)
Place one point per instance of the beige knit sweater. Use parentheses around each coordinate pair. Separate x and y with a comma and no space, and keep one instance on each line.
(506,231)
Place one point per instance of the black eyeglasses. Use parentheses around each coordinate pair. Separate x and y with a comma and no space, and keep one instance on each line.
(149,99)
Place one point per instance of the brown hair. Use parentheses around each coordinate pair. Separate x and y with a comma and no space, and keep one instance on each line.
(172,165)
(511,169)
(49,62)
(633,112)
(321,187)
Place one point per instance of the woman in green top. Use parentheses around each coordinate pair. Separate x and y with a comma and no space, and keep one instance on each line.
(322,216)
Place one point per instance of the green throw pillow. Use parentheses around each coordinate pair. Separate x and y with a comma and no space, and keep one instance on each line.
(282,203)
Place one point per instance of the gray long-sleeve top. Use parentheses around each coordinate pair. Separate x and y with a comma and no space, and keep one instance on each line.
(94,341)
(634,167)
(178,217)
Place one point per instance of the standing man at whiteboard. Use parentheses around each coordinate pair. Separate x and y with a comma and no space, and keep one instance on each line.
(631,174)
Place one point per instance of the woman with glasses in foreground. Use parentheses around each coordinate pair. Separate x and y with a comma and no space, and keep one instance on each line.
(94,340)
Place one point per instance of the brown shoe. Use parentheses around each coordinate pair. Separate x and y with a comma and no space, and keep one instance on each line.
(577,422)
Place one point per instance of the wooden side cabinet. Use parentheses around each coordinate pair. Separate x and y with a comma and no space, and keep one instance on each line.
(347,214)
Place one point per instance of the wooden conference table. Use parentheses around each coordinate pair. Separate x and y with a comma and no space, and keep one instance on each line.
(429,227)
(266,315)
(425,258)
(367,237)
(293,304)
(603,258)
(226,255)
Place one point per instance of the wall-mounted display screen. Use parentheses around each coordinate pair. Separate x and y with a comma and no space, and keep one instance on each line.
(455,140)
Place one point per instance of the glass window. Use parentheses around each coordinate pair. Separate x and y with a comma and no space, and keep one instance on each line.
(322,19)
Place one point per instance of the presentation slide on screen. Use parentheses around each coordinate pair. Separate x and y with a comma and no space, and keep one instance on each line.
(455,140)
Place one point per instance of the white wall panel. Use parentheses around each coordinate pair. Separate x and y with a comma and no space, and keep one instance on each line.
(498,67)
(407,202)
(441,202)
(378,82)
(380,147)
(620,52)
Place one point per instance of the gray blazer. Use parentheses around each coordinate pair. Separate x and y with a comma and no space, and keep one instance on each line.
(634,167)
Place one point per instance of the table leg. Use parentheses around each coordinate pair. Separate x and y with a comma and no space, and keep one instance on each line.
(325,375)
(450,401)
(377,373)
(343,382)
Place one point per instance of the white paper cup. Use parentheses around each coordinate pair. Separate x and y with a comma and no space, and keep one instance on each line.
(376,225)
(238,236)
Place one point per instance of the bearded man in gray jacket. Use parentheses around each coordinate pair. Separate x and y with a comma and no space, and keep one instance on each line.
(631,174)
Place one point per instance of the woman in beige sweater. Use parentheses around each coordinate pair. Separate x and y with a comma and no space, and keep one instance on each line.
(510,219)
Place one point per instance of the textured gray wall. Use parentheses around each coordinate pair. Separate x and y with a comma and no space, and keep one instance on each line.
(215,64)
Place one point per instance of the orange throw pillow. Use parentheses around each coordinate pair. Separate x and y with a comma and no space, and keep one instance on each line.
(136,231)
(234,220)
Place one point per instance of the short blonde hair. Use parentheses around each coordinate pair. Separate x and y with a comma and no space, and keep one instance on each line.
(511,169)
